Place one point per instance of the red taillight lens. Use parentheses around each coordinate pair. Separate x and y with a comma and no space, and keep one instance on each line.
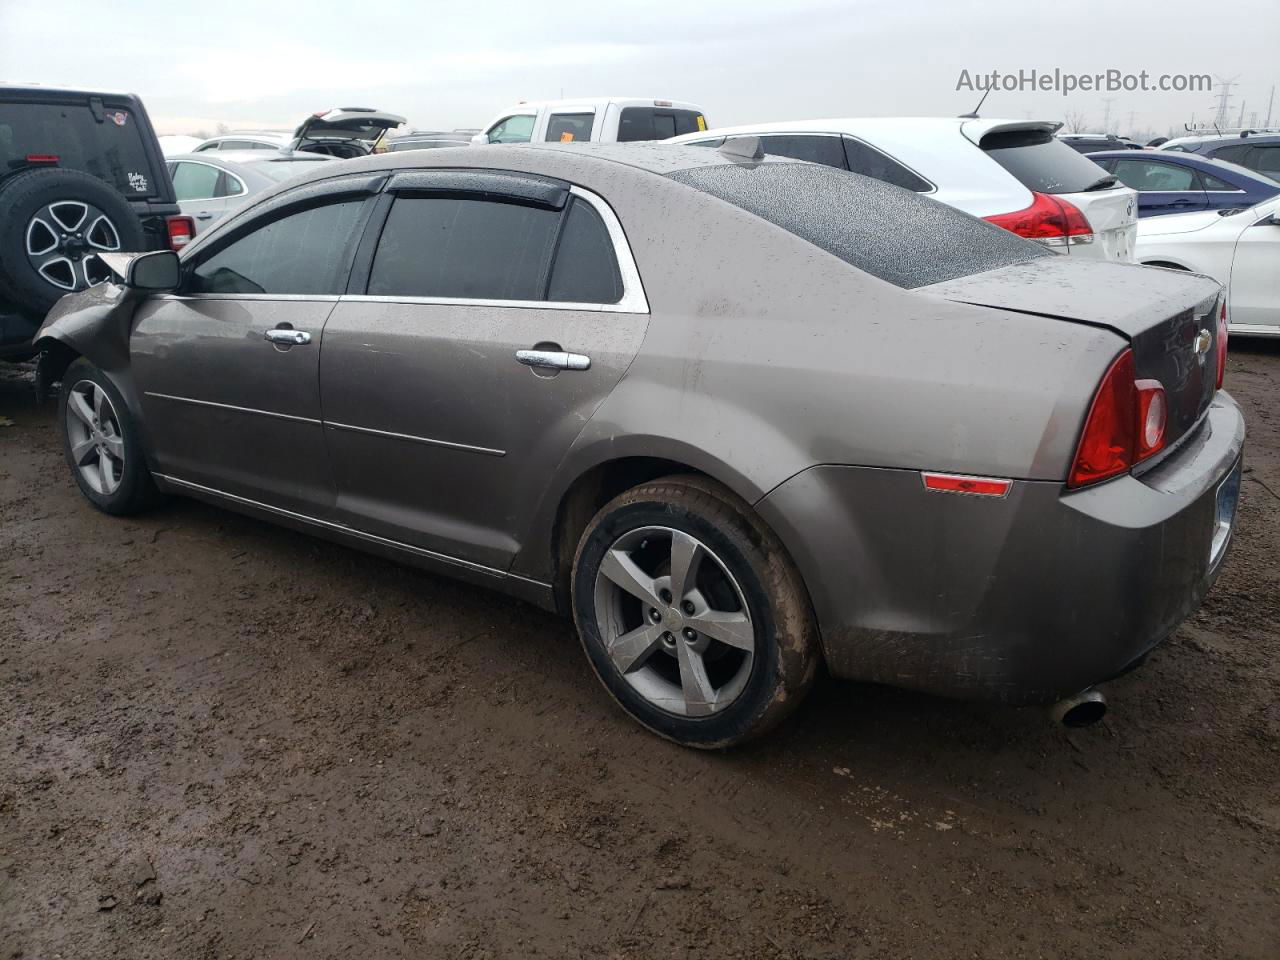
(43,159)
(1222,343)
(1049,219)
(1126,424)
(182,230)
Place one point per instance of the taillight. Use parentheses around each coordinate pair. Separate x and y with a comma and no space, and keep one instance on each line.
(1126,424)
(43,159)
(1222,343)
(182,230)
(1051,220)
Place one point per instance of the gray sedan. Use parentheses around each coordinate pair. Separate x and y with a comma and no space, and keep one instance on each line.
(210,185)
(736,416)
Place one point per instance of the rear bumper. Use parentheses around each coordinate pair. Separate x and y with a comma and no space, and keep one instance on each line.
(1023,599)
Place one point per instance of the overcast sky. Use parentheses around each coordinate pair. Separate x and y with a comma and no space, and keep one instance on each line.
(264,64)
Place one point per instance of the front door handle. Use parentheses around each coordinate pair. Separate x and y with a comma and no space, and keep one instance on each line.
(204,215)
(295,338)
(553,359)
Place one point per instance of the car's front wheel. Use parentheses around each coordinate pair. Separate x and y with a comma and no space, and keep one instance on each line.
(692,614)
(100,440)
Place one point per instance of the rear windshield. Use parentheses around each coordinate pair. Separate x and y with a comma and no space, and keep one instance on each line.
(110,149)
(1041,161)
(657,123)
(863,221)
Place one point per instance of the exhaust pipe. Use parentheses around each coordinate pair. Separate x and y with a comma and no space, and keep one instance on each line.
(1082,710)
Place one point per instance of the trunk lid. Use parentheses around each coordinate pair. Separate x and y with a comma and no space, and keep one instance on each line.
(1113,214)
(355,123)
(1168,316)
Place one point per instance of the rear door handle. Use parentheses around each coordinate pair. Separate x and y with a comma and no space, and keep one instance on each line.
(204,215)
(296,338)
(554,359)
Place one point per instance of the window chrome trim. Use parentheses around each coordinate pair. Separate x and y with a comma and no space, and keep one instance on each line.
(633,298)
(231,406)
(351,531)
(308,297)
(430,441)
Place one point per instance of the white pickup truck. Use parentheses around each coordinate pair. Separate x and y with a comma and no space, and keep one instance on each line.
(593,119)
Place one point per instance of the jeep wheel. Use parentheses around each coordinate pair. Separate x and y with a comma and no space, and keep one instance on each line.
(53,226)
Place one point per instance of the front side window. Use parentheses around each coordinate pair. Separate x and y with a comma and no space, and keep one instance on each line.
(307,253)
(569,127)
(517,129)
(1151,175)
(825,150)
(870,162)
(463,248)
(194,181)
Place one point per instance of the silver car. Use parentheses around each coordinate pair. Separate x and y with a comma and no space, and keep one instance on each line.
(737,417)
(210,185)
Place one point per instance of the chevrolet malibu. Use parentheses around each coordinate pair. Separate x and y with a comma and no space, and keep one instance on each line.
(739,417)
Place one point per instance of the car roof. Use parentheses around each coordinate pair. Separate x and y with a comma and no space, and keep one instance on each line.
(974,128)
(37,88)
(530,106)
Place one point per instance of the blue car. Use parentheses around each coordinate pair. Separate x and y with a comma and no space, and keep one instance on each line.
(1175,182)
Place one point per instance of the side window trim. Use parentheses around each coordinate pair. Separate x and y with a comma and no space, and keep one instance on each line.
(933,187)
(633,298)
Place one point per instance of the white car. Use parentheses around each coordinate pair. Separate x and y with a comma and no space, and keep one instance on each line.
(594,119)
(245,140)
(1015,173)
(1238,248)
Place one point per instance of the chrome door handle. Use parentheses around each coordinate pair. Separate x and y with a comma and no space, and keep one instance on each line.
(553,359)
(295,337)
(204,215)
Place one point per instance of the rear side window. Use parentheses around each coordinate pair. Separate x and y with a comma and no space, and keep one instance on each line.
(463,248)
(870,162)
(657,123)
(110,148)
(1153,175)
(1267,160)
(1041,162)
(810,147)
(1235,153)
(305,253)
(568,127)
(860,221)
(1214,185)
(194,181)
(586,270)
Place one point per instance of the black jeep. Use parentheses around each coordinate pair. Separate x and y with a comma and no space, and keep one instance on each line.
(80,173)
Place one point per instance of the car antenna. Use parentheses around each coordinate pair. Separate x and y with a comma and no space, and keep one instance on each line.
(973,114)
(743,148)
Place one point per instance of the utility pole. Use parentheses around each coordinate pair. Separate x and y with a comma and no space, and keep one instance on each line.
(1106,116)
(1240,121)
(1270,99)
(1129,132)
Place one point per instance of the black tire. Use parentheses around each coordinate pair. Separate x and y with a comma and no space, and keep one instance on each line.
(21,198)
(137,490)
(787,649)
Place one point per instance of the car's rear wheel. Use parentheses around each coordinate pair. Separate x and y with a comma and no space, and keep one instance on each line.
(100,440)
(692,614)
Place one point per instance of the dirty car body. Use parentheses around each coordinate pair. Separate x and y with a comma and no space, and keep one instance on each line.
(898,397)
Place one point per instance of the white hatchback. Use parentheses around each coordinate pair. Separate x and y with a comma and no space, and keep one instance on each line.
(1014,173)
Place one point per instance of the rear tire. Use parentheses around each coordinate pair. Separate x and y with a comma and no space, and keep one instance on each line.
(692,614)
(100,442)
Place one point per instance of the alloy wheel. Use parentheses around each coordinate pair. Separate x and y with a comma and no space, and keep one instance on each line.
(97,444)
(674,621)
(64,239)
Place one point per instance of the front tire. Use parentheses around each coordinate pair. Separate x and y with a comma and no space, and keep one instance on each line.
(692,614)
(100,442)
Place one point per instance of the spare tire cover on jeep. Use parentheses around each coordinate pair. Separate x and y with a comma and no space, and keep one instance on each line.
(53,225)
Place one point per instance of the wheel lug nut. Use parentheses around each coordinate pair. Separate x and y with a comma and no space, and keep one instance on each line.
(687,607)
(654,615)
(690,634)
(665,596)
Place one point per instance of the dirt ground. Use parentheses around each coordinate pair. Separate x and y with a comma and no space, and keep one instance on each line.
(222,739)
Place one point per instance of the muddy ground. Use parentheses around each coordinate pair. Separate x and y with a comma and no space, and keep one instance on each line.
(222,739)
